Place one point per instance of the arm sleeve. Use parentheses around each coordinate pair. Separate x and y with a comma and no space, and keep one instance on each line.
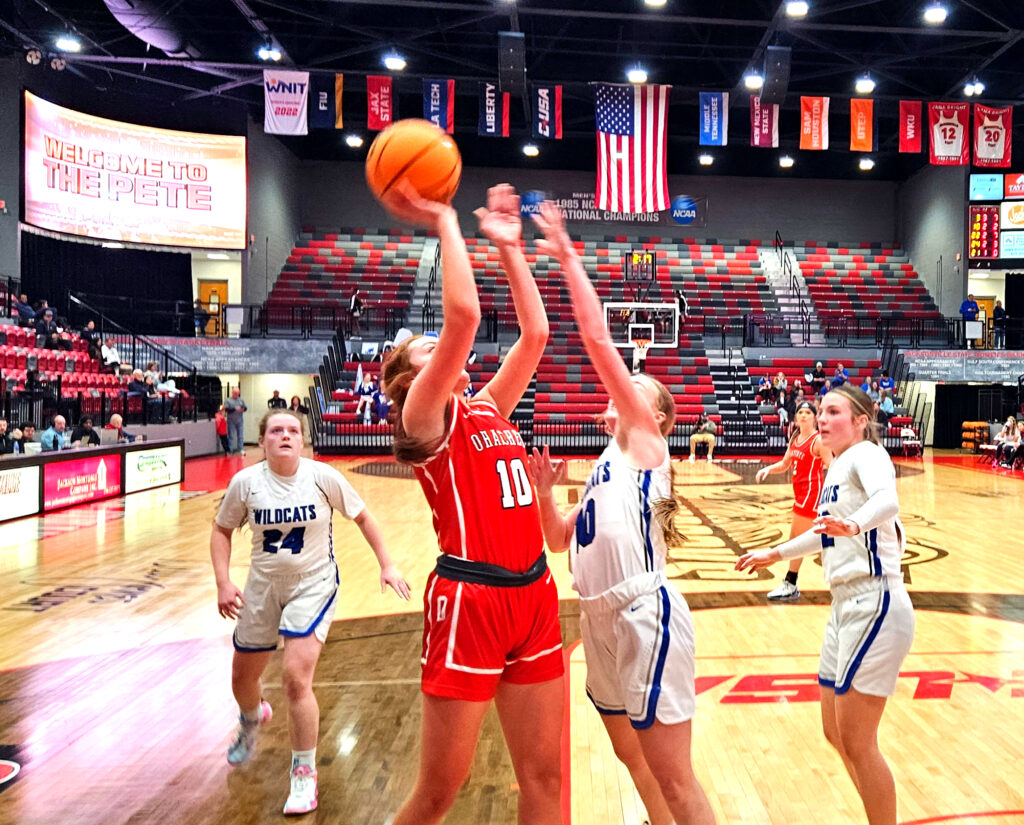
(340,494)
(877,478)
(805,544)
(233,511)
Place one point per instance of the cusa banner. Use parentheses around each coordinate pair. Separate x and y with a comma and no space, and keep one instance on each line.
(993,133)
(547,112)
(77,481)
(948,123)
(814,123)
(100,178)
(285,98)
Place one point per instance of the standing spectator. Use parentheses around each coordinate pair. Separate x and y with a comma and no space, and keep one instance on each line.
(91,336)
(6,439)
(201,316)
(969,312)
(276,402)
(220,423)
(26,315)
(110,356)
(999,326)
(684,307)
(235,408)
(117,423)
(817,378)
(785,408)
(302,411)
(56,437)
(355,310)
(842,376)
(84,435)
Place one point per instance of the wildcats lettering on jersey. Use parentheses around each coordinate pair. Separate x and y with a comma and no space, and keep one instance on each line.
(602,474)
(829,494)
(284,515)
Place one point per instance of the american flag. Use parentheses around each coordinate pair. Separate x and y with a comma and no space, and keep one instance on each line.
(632,132)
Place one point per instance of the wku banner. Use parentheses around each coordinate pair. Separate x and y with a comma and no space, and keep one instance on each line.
(764,124)
(439,103)
(284,102)
(714,118)
(911,126)
(993,132)
(948,125)
(494,106)
(863,133)
(814,123)
(325,101)
(380,108)
(547,112)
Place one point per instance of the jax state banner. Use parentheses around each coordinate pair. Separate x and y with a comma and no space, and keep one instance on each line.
(325,101)
(993,133)
(494,106)
(547,112)
(910,126)
(284,102)
(814,123)
(764,124)
(439,103)
(380,109)
(714,118)
(863,134)
(948,126)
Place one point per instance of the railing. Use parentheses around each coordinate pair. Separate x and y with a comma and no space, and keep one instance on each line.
(154,317)
(309,321)
(428,316)
(9,290)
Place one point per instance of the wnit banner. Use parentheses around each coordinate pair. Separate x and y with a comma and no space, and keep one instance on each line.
(285,96)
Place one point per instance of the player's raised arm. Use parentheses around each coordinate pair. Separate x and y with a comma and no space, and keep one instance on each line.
(501,224)
(546,473)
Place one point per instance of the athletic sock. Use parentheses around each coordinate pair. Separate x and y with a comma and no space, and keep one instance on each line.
(307,758)
(251,716)
(791,576)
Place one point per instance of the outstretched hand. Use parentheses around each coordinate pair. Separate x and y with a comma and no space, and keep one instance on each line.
(500,221)
(555,242)
(405,203)
(755,561)
(391,576)
(545,471)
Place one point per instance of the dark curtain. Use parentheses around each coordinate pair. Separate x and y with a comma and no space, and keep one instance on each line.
(50,268)
(954,404)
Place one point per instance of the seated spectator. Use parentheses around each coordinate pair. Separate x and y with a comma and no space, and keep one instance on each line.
(110,356)
(1010,456)
(167,387)
(156,410)
(202,317)
(48,328)
(116,422)
(886,409)
(56,437)
(874,391)
(703,433)
(886,383)
(26,315)
(6,439)
(137,383)
(152,371)
(1004,440)
(765,390)
(382,406)
(842,376)
(276,402)
(798,385)
(817,378)
(866,386)
(365,393)
(25,434)
(91,336)
(84,435)
(780,383)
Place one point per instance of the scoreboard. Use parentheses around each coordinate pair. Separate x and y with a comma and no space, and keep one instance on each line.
(984,232)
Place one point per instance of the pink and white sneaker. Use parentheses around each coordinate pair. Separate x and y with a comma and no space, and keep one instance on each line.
(245,737)
(303,796)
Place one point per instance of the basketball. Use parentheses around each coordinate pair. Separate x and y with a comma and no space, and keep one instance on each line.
(416,151)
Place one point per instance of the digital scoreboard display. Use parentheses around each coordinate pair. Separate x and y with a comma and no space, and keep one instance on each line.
(984,232)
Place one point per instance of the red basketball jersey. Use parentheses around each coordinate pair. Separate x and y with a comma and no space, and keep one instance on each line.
(479,490)
(808,474)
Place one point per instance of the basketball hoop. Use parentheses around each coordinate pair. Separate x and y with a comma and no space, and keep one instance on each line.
(640,347)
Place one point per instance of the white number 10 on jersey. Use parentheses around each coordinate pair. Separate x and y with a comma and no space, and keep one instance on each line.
(513,473)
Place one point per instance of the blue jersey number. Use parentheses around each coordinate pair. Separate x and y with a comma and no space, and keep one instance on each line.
(826,541)
(293,541)
(586,524)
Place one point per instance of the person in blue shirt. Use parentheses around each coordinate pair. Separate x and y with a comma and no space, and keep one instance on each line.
(56,436)
(886,383)
(969,312)
(841,377)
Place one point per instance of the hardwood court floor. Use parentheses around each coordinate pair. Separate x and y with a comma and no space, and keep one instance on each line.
(114,666)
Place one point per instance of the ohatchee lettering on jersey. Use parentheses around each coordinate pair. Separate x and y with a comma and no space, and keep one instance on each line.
(479,490)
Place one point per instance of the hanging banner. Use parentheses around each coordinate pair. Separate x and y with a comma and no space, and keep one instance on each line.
(948,124)
(814,123)
(714,118)
(284,102)
(993,132)
(863,134)
(910,126)
(764,124)
(380,110)
(325,101)
(494,106)
(439,103)
(547,112)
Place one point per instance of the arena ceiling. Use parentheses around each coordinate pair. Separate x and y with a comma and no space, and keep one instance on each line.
(173,52)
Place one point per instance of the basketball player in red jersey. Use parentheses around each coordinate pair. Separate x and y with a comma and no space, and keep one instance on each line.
(809,459)
(491,608)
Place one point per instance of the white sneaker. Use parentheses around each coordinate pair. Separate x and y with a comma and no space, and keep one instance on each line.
(245,737)
(693,457)
(709,458)
(785,592)
(302,798)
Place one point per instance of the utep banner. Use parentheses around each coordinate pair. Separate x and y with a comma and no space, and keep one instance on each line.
(284,102)
(325,101)
(814,123)
(948,126)
(494,105)
(863,134)
(547,112)
(714,118)
(764,124)
(380,110)
(993,136)
(439,103)
(910,126)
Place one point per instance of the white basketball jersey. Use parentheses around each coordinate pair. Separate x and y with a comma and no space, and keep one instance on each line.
(290,518)
(617,536)
(948,136)
(853,477)
(991,143)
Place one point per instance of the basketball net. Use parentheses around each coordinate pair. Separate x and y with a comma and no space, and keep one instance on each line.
(640,347)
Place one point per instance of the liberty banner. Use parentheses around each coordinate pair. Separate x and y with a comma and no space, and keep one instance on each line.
(814,123)
(380,109)
(910,126)
(948,125)
(714,118)
(284,102)
(494,106)
(863,134)
(547,112)
(439,103)
(993,133)
(764,124)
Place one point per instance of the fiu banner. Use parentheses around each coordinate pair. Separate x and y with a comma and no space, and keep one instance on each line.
(764,124)
(948,126)
(910,126)
(993,132)
(814,123)
(439,103)
(325,101)
(494,106)
(284,102)
(714,118)
(863,134)
(380,108)
(547,112)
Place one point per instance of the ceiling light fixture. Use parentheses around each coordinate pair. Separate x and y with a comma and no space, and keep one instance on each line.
(797,8)
(786,162)
(654,3)
(531,150)
(864,85)
(218,256)
(935,14)
(637,75)
(866,164)
(269,52)
(355,141)
(753,80)
(394,63)
(67,43)
(33,57)
(973,87)
(706,160)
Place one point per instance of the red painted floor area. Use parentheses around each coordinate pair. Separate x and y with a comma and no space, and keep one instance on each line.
(977,463)
(213,472)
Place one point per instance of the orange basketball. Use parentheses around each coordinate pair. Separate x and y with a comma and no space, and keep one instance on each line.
(416,151)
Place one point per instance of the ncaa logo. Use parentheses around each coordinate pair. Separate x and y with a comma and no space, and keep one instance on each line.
(684,210)
(529,203)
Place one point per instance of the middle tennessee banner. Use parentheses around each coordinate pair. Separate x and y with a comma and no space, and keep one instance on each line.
(948,126)
(547,112)
(814,123)
(325,101)
(494,106)
(863,134)
(993,132)
(714,118)
(439,103)
(284,102)
(764,124)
